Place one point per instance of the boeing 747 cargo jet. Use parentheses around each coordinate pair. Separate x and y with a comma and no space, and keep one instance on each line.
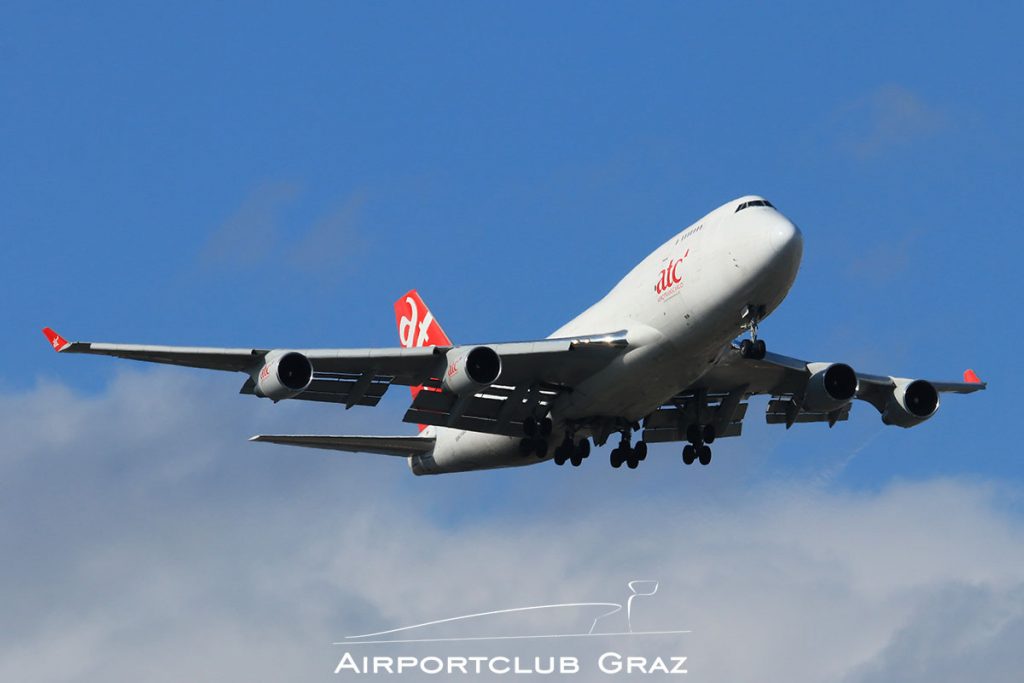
(656,358)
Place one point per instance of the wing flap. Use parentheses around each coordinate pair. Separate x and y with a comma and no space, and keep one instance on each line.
(669,435)
(670,424)
(785,411)
(498,409)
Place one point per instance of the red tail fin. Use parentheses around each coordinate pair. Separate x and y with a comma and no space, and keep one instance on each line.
(416,324)
(58,342)
(417,327)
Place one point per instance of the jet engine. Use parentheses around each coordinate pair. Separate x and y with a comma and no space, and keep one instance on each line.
(830,388)
(470,370)
(911,403)
(283,375)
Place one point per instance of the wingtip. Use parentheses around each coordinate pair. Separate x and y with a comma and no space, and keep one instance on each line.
(58,342)
(971,377)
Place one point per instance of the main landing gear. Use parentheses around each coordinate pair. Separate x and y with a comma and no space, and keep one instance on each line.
(699,437)
(572,451)
(537,442)
(754,348)
(630,455)
(536,439)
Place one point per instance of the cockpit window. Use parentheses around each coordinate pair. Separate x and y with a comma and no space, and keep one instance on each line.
(754,202)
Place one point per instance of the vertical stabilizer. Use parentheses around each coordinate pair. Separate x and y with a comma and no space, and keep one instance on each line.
(416,324)
(417,327)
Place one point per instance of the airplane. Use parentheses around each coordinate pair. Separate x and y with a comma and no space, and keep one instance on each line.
(658,356)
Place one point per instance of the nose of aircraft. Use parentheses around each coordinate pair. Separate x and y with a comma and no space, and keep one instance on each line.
(784,236)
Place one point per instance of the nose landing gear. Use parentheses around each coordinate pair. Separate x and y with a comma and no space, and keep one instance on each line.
(754,348)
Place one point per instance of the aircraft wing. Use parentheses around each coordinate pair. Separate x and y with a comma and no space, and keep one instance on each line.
(532,374)
(719,397)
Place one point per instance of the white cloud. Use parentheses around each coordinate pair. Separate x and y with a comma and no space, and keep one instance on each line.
(144,539)
(892,116)
(255,236)
(249,236)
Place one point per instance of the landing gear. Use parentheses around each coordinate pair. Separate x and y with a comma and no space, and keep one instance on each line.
(698,436)
(693,433)
(571,451)
(541,428)
(754,348)
(632,456)
(709,433)
(535,445)
(700,453)
(536,439)
(640,451)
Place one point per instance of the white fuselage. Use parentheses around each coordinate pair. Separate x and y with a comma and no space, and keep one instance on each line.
(681,307)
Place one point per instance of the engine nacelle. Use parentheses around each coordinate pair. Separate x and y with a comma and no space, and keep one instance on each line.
(284,374)
(912,402)
(470,370)
(830,388)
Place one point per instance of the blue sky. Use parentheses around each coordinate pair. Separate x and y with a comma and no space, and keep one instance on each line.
(256,174)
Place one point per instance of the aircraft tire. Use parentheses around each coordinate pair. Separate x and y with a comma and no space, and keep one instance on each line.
(616,458)
(640,451)
(705,455)
(709,434)
(689,454)
(693,433)
(760,349)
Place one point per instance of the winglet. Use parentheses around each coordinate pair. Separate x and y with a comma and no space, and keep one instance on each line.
(58,342)
(971,377)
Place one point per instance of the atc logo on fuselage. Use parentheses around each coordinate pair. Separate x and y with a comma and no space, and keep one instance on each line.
(670,281)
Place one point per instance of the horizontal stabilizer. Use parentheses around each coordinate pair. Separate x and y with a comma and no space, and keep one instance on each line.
(402,446)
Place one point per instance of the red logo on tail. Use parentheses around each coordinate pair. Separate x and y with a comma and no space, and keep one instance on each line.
(416,324)
(58,342)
